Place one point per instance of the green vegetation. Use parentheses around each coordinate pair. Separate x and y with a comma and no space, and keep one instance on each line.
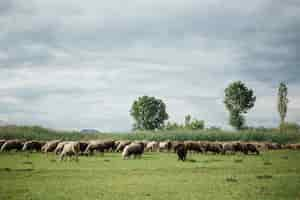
(238,100)
(189,124)
(289,127)
(39,133)
(282,102)
(272,175)
(148,113)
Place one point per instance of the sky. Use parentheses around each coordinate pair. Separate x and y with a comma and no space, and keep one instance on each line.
(73,64)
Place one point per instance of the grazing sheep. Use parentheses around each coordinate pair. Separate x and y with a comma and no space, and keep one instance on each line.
(193,146)
(181,152)
(122,145)
(228,147)
(109,145)
(214,147)
(95,145)
(70,149)
(165,146)
(292,146)
(2,142)
(83,145)
(152,146)
(135,149)
(59,148)
(175,145)
(246,148)
(12,145)
(50,146)
(33,146)
(273,146)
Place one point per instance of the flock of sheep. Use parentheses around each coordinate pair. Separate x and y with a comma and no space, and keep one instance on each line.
(137,148)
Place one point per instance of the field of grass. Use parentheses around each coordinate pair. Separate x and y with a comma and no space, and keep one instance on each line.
(272,175)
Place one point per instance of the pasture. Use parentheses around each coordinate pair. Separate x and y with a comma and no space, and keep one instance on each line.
(271,175)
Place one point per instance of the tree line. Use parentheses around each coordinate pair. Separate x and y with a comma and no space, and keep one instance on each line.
(149,113)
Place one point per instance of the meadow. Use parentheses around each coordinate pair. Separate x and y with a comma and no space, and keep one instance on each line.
(271,175)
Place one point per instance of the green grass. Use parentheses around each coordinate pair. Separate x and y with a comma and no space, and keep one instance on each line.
(40,133)
(273,175)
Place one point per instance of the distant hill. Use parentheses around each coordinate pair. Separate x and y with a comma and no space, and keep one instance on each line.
(3,123)
(90,131)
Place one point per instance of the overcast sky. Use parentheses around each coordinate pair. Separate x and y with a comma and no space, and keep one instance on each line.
(73,64)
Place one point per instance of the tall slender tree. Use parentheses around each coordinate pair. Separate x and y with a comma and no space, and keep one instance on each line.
(282,102)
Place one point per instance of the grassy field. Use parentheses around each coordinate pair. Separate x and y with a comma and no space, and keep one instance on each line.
(272,175)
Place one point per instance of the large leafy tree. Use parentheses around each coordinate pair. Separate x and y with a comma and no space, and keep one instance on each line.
(238,100)
(282,102)
(148,113)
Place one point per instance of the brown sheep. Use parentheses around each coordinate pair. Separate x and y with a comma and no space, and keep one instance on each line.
(228,147)
(33,146)
(214,147)
(70,149)
(96,145)
(193,146)
(246,148)
(109,145)
(12,145)
(135,149)
(293,146)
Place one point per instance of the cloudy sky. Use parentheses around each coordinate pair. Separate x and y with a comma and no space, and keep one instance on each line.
(73,64)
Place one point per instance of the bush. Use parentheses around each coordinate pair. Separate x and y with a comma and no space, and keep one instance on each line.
(289,127)
(39,133)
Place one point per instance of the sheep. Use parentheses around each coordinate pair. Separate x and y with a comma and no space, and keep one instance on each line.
(70,149)
(175,145)
(135,149)
(11,145)
(50,146)
(181,151)
(33,145)
(165,146)
(109,145)
(122,145)
(2,142)
(83,145)
(228,146)
(292,146)
(59,147)
(152,146)
(214,147)
(95,145)
(246,148)
(193,146)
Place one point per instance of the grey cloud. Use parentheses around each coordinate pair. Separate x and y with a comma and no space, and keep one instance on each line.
(100,56)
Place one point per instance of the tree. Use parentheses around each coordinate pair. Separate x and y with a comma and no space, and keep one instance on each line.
(282,102)
(196,125)
(238,100)
(236,120)
(187,120)
(148,113)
